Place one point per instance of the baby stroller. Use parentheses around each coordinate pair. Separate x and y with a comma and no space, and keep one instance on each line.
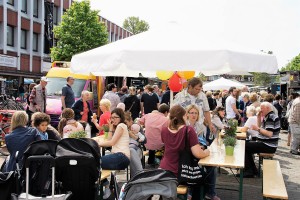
(9,183)
(78,166)
(39,171)
(147,183)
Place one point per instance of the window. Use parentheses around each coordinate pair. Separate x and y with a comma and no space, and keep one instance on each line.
(35,40)
(23,39)
(11,2)
(55,15)
(24,6)
(35,8)
(10,35)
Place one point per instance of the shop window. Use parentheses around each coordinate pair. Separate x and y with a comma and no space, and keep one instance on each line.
(10,35)
(11,2)
(55,15)
(36,8)
(23,39)
(35,40)
(24,6)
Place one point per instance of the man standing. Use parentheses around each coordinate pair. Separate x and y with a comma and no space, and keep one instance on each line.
(231,110)
(267,139)
(194,95)
(67,95)
(294,120)
(149,100)
(111,95)
(38,96)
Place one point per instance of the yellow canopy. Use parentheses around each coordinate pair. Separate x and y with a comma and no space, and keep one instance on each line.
(57,72)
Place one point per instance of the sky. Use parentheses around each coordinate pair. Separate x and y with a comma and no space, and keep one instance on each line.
(269,25)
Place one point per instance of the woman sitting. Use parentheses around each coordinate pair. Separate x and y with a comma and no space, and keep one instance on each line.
(252,120)
(173,137)
(19,139)
(193,118)
(68,124)
(217,118)
(118,139)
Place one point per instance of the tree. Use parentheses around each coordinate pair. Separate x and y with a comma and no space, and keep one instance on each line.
(79,31)
(135,25)
(262,79)
(294,65)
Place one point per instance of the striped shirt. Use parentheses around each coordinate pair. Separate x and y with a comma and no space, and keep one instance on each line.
(271,122)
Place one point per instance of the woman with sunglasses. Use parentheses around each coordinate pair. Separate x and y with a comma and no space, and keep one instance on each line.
(118,139)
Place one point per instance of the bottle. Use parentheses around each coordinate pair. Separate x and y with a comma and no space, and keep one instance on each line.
(88,130)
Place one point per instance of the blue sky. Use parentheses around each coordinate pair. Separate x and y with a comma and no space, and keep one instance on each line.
(258,24)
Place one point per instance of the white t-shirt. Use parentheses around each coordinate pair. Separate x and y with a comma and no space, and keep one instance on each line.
(251,121)
(229,111)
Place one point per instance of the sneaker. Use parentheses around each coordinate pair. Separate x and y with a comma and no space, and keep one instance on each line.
(212,198)
(107,193)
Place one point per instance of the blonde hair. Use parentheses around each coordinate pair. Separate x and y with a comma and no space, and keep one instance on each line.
(132,90)
(251,109)
(192,106)
(19,118)
(106,103)
(253,97)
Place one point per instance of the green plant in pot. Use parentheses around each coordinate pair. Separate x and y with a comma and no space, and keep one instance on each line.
(230,129)
(229,143)
(78,134)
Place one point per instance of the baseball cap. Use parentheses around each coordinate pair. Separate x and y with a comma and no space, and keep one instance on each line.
(44,78)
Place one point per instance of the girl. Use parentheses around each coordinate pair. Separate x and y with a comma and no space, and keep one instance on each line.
(68,124)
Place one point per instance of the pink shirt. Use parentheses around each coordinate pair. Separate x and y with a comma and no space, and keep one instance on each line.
(104,120)
(154,122)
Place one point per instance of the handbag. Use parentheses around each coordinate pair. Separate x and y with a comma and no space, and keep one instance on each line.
(189,171)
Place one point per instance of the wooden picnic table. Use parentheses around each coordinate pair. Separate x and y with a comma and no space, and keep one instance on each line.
(239,135)
(218,158)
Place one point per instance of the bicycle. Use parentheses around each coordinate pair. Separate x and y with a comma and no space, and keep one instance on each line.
(4,129)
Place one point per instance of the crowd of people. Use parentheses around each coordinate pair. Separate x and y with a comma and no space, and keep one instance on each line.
(147,120)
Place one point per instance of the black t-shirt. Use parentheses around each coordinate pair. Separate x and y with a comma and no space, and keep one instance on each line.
(150,101)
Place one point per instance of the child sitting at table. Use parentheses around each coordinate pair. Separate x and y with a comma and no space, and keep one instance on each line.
(41,121)
(135,128)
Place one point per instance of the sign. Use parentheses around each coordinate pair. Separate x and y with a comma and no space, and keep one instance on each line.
(8,61)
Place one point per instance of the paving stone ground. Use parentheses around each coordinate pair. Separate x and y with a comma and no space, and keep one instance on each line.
(290,166)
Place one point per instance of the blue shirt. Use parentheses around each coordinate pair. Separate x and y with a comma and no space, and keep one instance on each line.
(44,136)
(18,140)
(68,93)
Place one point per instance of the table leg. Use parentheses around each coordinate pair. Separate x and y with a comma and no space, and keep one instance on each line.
(241,184)
(202,192)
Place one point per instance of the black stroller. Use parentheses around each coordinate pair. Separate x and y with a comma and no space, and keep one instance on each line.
(38,171)
(78,166)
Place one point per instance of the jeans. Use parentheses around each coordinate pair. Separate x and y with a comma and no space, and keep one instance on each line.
(115,161)
(295,131)
(135,161)
(251,148)
(210,182)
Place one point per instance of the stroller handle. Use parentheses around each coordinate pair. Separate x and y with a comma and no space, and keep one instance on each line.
(40,158)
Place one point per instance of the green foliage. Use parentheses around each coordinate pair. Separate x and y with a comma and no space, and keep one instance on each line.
(79,31)
(135,25)
(105,127)
(229,141)
(230,130)
(202,77)
(78,134)
(294,65)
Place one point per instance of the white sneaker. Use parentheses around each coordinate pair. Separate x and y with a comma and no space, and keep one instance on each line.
(107,193)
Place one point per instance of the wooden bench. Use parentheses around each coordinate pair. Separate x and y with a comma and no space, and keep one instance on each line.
(262,156)
(105,174)
(273,183)
(182,190)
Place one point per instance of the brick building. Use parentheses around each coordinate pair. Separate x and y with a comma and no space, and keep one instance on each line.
(26,38)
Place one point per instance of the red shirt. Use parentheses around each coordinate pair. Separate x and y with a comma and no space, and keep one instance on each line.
(104,120)
(174,143)
(85,112)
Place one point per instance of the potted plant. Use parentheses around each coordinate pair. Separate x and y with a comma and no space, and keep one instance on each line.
(230,129)
(105,130)
(78,134)
(229,143)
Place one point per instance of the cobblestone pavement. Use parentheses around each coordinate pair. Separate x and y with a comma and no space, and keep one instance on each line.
(253,186)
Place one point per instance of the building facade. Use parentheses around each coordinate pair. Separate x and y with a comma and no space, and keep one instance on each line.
(26,36)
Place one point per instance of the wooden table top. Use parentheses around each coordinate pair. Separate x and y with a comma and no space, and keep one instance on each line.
(239,135)
(218,157)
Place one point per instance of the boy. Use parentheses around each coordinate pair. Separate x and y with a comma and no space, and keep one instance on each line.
(41,121)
